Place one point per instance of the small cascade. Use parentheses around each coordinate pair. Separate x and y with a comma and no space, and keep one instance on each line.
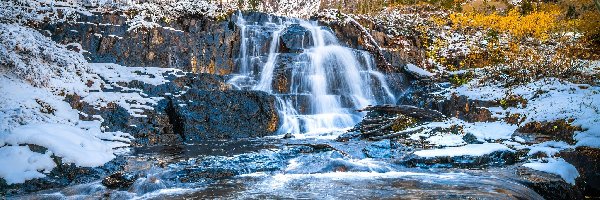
(318,83)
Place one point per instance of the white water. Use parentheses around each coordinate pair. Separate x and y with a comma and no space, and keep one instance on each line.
(326,83)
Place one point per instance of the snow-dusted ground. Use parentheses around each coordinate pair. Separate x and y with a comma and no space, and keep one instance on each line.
(548,100)
(35,75)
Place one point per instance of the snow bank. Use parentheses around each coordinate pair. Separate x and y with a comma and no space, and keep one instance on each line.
(556,166)
(467,150)
(24,164)
(71,143)
(35,75)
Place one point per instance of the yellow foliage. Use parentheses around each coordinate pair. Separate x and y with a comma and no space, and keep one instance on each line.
(538,24)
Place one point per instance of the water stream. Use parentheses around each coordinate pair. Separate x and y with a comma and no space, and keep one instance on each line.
(324,83)
(284,169)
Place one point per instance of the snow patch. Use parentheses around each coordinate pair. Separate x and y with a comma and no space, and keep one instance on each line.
(556,166)
(71,143)
(24,164)
(467,150)
(413,69)
(116,73)
(490,130)
(448,140)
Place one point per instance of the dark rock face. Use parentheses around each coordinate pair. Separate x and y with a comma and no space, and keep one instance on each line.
(191,44)
(226,114)
(469,110)
(295,38)
(197,107)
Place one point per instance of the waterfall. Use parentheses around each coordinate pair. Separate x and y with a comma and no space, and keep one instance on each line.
(318,85)
(266,75)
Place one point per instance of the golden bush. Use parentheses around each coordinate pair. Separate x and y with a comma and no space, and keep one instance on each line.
(537,24)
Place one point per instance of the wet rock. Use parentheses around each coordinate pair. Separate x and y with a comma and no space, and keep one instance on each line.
(495,159)
(288,136)
(218,167)
(587,162)
(549,186)
(383,121)
(226,114)
(380,149)
(345,137)
(537,132)
(295,38)
(197,174)
(119,180)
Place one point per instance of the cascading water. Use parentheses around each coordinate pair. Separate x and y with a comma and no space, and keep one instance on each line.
(318,85)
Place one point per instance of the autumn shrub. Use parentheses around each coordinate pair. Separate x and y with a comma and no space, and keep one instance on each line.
(537,24)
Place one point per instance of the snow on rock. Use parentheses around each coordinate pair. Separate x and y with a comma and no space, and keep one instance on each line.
(413,69)
(71,143)
(490,130)
(22,104)
(448,140)
(549,147)
(24,11)
(139,22)
(481,130)
(35,75)
(134,103)
(551,99)
(20,164)
(473,90)
(29,55)
(117,73)
(467,150)
(290,8)
(556,166)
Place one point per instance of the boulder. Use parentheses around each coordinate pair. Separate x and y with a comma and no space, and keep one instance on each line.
(225,114)
(294,39)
